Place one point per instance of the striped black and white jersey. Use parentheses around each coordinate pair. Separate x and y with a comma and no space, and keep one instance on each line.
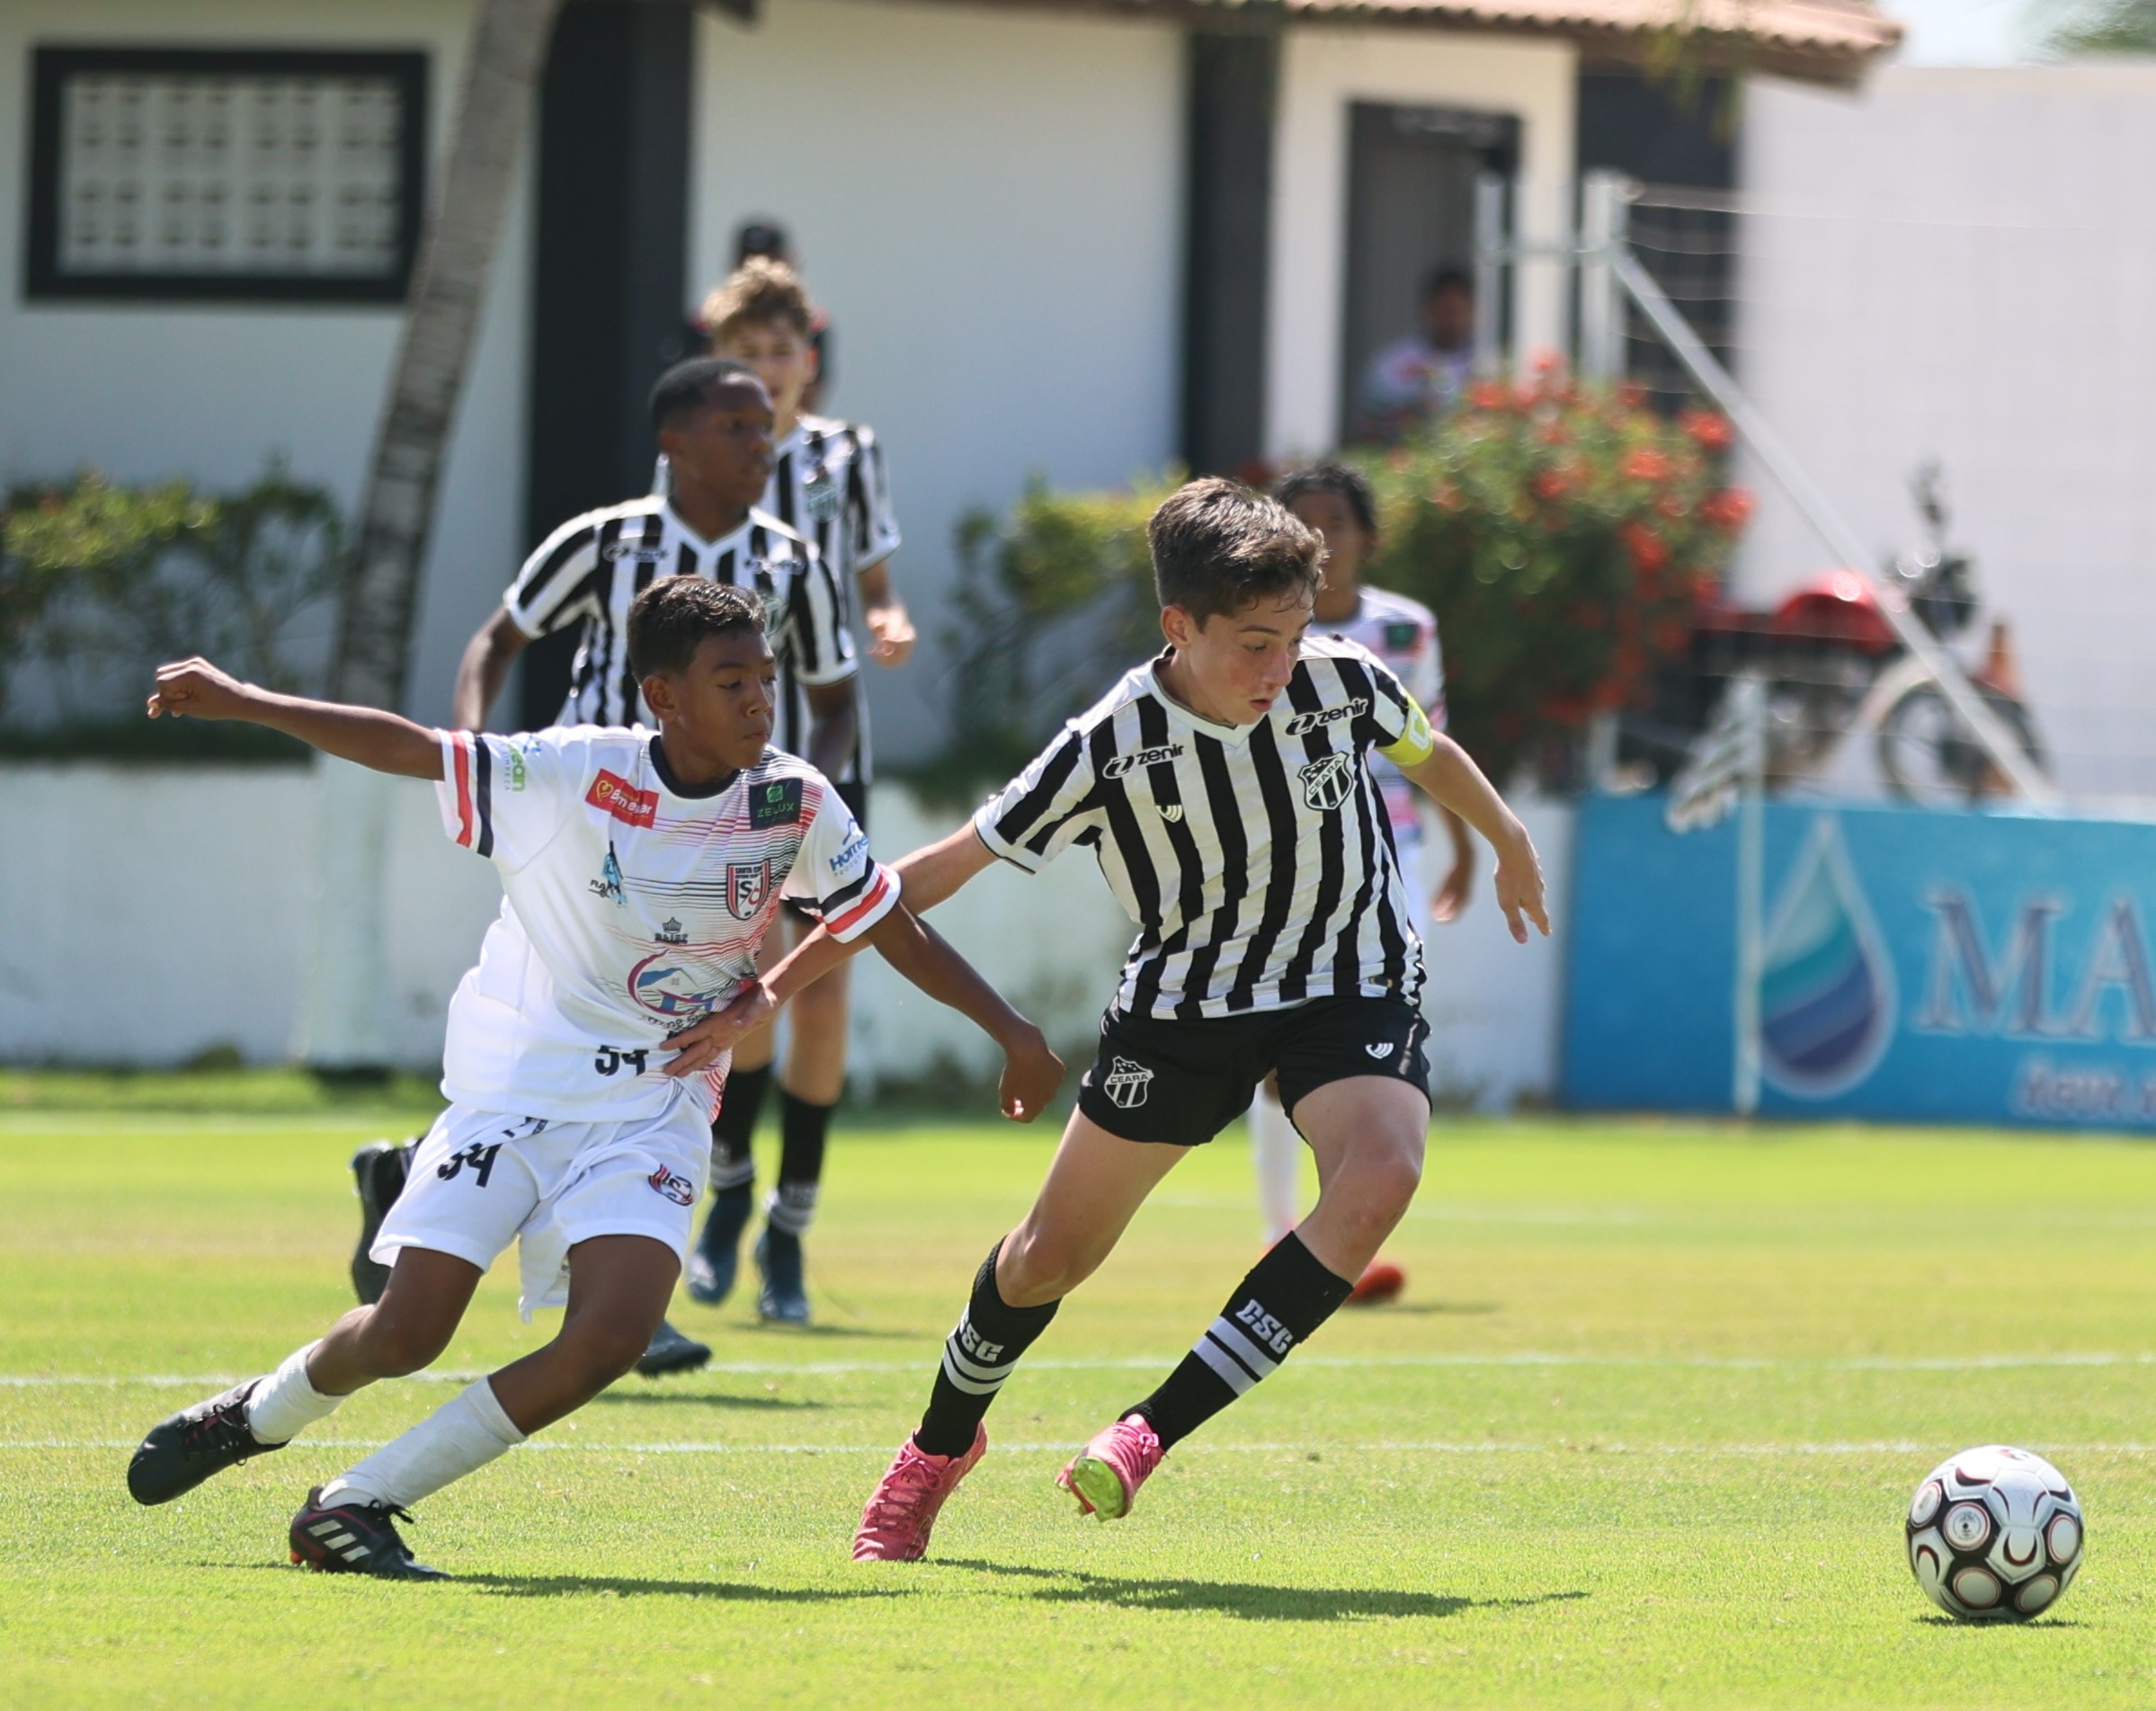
(1257,859)
(591,569)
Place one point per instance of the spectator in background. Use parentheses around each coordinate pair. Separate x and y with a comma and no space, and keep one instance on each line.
(1425,373)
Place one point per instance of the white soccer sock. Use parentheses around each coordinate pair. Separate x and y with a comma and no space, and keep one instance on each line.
(1277,1154)
(458,1438)
(286,1402)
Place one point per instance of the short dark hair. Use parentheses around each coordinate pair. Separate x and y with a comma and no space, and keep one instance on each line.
(761,237)
(670,619)
(1334,478)
(1217,546)
(686,386)
(1448,279)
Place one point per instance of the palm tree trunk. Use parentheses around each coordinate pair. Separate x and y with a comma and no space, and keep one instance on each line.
(345,1024)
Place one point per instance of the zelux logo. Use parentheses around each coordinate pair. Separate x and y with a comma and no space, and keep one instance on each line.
(670,932)
(1124,764)
(776,802)
(1303,724)
(748,883)
(1327,782)
(1127,1084)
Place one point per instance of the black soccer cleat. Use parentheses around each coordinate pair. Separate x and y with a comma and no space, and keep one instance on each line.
(185,1448)
(670,1351)
(379,1170)
(715,1261)
(785,1296)
(355,1538)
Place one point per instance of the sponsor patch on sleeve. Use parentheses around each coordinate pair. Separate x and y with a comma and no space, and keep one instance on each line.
(776,802)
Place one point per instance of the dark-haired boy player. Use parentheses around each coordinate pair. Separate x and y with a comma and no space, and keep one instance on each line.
(714,420)
(640,872)
(827,482)
(1224,790)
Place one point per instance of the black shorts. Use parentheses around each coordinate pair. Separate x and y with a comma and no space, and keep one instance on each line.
(1182,1083)
(855,795)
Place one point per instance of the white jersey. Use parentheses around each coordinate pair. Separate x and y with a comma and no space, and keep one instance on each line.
(631,909)
(1403,635)
(1255,859)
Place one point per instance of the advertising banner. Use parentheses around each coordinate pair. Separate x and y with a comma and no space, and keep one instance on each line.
(1914,965)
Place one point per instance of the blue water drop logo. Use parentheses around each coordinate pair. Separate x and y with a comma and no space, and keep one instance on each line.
(1826,986)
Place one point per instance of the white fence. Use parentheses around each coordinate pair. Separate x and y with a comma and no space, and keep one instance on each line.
(148,914)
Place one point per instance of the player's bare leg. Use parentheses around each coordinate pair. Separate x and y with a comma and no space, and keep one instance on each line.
(1095,1186)
(1368,1133)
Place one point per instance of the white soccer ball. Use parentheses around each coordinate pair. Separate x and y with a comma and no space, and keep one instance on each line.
(1994,1535)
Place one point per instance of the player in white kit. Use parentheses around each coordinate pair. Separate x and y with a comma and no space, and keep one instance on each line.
(1335,500)
(641,873)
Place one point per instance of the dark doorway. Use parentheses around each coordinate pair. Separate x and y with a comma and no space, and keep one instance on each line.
(1411,211)
(607,312)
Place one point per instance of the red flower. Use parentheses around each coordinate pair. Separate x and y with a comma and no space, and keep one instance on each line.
(1644,465)
(1488,395)
(1708,429)
(1729,510)
(1648,550)
(1553,483)
(1632,395)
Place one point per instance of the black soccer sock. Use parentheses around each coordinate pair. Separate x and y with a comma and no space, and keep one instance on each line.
(732,1165)
(803,1128)
(978,1355)
(1287,1295)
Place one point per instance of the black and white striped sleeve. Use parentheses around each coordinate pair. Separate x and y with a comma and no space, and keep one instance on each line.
(1394,723)
(1050,806)
(822,645)
(560,582)
(872,528)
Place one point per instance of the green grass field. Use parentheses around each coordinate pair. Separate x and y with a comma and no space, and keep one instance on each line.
(1641,1434)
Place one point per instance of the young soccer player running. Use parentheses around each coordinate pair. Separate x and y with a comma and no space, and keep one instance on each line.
(1335,502)
(828,483)
(640,872)
(1224,791)
(715,421)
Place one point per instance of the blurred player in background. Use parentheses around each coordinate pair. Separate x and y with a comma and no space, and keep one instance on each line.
(639,871)
(827,483)
(767,238)
(1336,501)
(1222,788)
(715,422)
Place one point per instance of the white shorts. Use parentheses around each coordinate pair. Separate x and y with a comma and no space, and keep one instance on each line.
(482,1179)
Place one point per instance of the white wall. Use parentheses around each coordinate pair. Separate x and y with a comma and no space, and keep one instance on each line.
(161,911)
(151,390)
(988,203)
(1323,73)
(1962,264)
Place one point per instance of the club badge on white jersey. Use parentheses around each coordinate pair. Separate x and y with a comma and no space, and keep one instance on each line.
(632,908)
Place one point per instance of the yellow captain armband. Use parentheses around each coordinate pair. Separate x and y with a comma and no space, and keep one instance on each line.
(1413,746)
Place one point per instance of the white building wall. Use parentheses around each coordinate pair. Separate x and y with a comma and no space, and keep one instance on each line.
(988,203)
(1960,264)
(162,912)
(1323,73)
(146,391)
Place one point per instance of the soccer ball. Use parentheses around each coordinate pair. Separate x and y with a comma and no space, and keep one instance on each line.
(1994,1535)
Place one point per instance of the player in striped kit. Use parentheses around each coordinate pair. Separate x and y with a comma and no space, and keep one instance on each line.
(1224,791)
(1335,500)
(827,482)
(640,872)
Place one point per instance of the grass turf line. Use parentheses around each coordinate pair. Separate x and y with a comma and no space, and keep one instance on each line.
(1640,1435)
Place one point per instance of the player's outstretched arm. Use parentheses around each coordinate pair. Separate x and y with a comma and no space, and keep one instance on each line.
(1451,778)
(1031,1072)
(195,689)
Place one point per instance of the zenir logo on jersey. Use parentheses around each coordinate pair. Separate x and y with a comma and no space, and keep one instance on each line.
(1303,724)
(1124,764)
(1328,781)
(1127,1084)
(748,883)
(622,549)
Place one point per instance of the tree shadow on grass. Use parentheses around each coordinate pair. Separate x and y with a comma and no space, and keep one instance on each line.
(1249,1601)
(615,1586)
(700,1399)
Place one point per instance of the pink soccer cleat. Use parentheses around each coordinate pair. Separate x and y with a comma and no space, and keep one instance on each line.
(1105,1475)
(901,1510)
